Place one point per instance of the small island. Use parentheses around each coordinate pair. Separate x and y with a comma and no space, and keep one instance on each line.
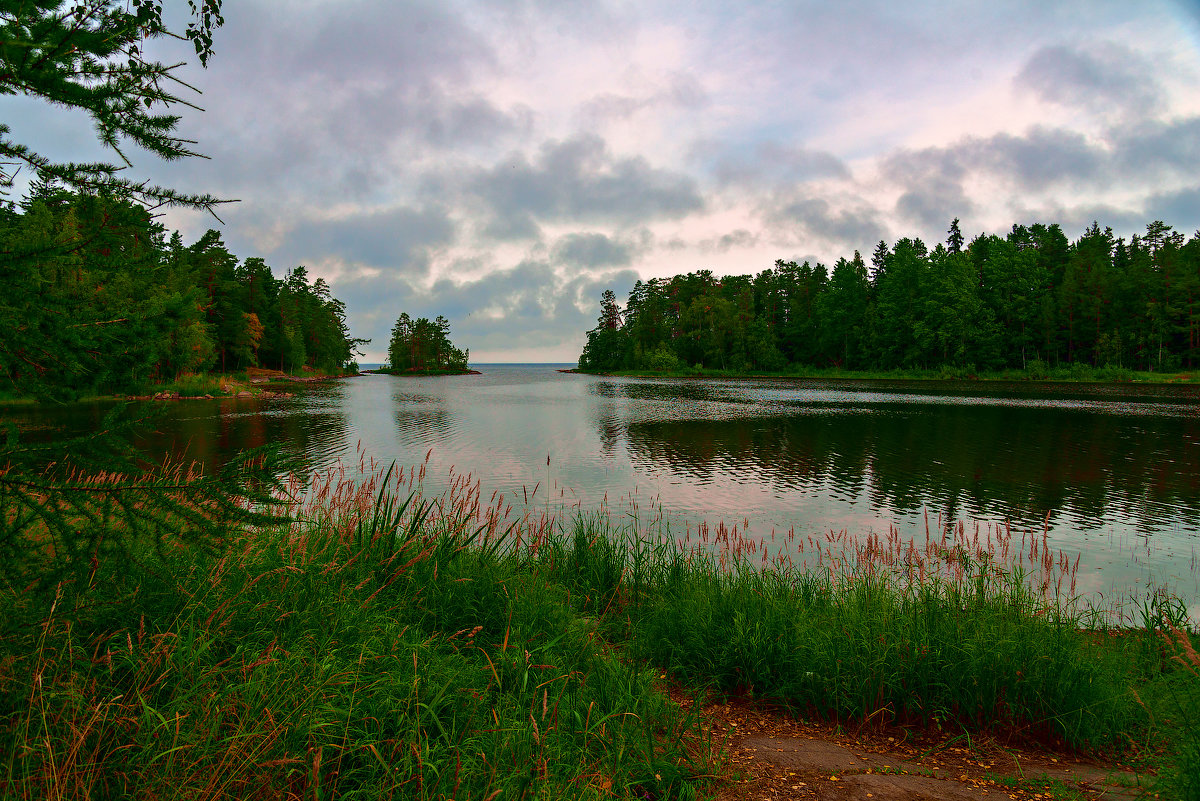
(420,347)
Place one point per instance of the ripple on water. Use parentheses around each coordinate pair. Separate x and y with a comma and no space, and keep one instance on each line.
(1112,469)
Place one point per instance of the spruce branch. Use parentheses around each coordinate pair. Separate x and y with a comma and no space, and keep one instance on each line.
(66,504)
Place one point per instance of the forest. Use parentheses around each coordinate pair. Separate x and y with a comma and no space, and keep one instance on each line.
(97,298)
(421,346)
(1030,300)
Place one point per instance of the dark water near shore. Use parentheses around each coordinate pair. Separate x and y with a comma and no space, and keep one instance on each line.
(1112,471)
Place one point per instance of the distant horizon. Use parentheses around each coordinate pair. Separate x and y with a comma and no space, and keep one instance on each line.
(482,364)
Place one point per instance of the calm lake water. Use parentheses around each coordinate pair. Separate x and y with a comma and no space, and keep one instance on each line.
(1113,472)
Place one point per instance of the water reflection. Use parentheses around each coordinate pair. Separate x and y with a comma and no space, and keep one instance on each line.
(205,432)
(1115,468)
(1014,462)
(211,432)
(1112,473)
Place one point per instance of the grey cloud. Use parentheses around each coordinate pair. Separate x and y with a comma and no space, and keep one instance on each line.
(1040,157)
(511,227)
(815,217)
(354,147)
(740,238)
(934,200)
(475,120)
(935,203)
(774,163)
(584,20)
(538,306)
(681,91)
(367,42)
(396,239)
(932,180)
(1179,209)
(1153,149)
(579,180)
(1108,79)
(591,250)
(584,291)
(326,103)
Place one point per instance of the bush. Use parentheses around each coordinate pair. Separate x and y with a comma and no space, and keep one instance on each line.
(1038,369)
(662,359)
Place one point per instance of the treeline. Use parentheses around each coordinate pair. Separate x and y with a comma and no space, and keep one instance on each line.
(419,346)
(95,298)
(1029,300)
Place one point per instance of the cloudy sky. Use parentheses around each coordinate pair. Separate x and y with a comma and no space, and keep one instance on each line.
(502,163)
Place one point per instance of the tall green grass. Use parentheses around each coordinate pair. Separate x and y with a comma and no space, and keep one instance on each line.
(390,644)
(386,646)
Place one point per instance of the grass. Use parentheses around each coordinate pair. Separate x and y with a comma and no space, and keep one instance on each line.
(384,646)
(389,644)
(196,385)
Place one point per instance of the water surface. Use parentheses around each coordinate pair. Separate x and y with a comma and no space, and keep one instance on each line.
(1112,472)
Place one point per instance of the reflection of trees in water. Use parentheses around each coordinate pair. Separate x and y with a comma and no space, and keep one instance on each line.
(212,432)
(609,426)
(421,427)
(675,391)
(206,432)
(791,453)
(605,389)
(960,460)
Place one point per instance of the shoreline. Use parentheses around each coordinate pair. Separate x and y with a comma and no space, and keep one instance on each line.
(930,376)
(419,373)
(255,382)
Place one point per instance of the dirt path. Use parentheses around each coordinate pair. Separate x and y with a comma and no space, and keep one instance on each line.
(776,757)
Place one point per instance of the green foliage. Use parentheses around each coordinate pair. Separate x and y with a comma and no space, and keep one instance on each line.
(91,56)
(1175,703)
(1031,301)
(661,359)
(390,644)
(423,346)
(94,298)
(607,343)
(66,506)
(385,647)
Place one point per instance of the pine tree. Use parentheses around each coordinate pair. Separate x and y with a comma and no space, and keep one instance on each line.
(91,56)
(954,238)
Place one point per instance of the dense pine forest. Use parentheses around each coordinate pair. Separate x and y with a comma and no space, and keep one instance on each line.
(1031,300)
(424,346)
(96,298)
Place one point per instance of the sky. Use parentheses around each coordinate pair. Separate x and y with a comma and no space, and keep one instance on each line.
(503,163)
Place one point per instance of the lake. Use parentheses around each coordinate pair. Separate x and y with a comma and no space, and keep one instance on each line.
(1110,473)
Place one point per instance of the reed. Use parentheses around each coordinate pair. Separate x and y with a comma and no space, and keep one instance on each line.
(386,645)
(396,643)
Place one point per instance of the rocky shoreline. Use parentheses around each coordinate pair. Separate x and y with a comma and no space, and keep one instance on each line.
(237,390)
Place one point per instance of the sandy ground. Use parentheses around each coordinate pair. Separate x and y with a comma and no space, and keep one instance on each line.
(774,756)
